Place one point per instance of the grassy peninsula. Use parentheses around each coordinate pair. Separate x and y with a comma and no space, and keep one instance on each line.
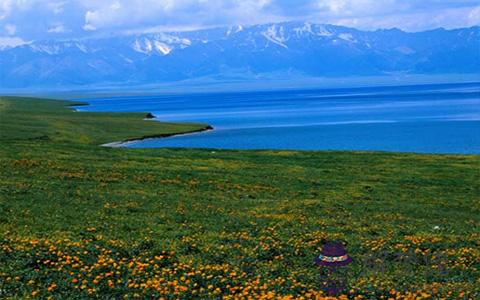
(82,221)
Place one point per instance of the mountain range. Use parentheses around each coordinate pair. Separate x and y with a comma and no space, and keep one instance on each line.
(239,53)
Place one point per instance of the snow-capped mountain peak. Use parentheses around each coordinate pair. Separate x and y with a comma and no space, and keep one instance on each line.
(308,49)
(161,44)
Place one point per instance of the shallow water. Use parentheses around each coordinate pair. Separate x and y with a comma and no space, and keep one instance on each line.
(431,119)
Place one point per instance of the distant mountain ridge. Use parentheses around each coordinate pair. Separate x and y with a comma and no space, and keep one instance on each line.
(282,50)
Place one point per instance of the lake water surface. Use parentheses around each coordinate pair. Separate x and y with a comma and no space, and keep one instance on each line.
(429,118)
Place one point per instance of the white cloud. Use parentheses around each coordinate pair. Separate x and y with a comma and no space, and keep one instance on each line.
(11,29)
(89,27)
(150,13)
(90,18)
(474,16)
(451,18)
(342,8)
(367,14)
(57,28)
(10,42)
(10,7)
(36,19)
(57,6)
(5,8)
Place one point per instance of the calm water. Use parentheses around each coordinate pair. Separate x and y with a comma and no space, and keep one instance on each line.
(435,118)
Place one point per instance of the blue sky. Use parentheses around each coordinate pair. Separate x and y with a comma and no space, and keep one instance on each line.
(27,20)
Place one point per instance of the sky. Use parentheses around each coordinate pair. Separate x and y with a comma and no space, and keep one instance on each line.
(27,20)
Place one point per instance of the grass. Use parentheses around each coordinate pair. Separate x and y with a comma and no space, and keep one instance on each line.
(42,119)
(82,221)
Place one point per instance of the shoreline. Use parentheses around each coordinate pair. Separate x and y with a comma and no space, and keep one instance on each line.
(126,143)
(148,117)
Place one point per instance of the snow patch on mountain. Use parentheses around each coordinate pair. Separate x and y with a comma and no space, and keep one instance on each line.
(81,47)
(233,30)
(48,49)
(173,40)
(162,48)
(162,43)
(276,35)
(323,31)
(126,59)
(307,28)
(347,37)
(143,46)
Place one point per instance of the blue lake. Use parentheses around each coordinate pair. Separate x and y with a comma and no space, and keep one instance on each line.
(429,118)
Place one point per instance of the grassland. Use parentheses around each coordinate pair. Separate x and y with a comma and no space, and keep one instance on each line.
(82,221)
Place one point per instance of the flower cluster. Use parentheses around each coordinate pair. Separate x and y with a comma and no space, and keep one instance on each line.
(98,268)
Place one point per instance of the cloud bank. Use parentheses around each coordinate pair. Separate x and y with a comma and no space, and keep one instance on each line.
(54,19)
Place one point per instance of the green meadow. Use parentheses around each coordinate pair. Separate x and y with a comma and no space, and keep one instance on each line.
(81,221)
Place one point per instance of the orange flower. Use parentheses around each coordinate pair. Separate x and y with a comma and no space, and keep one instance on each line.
(52,287)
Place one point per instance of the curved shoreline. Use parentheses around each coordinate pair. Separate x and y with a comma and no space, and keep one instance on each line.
(126,143)
(148,117)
